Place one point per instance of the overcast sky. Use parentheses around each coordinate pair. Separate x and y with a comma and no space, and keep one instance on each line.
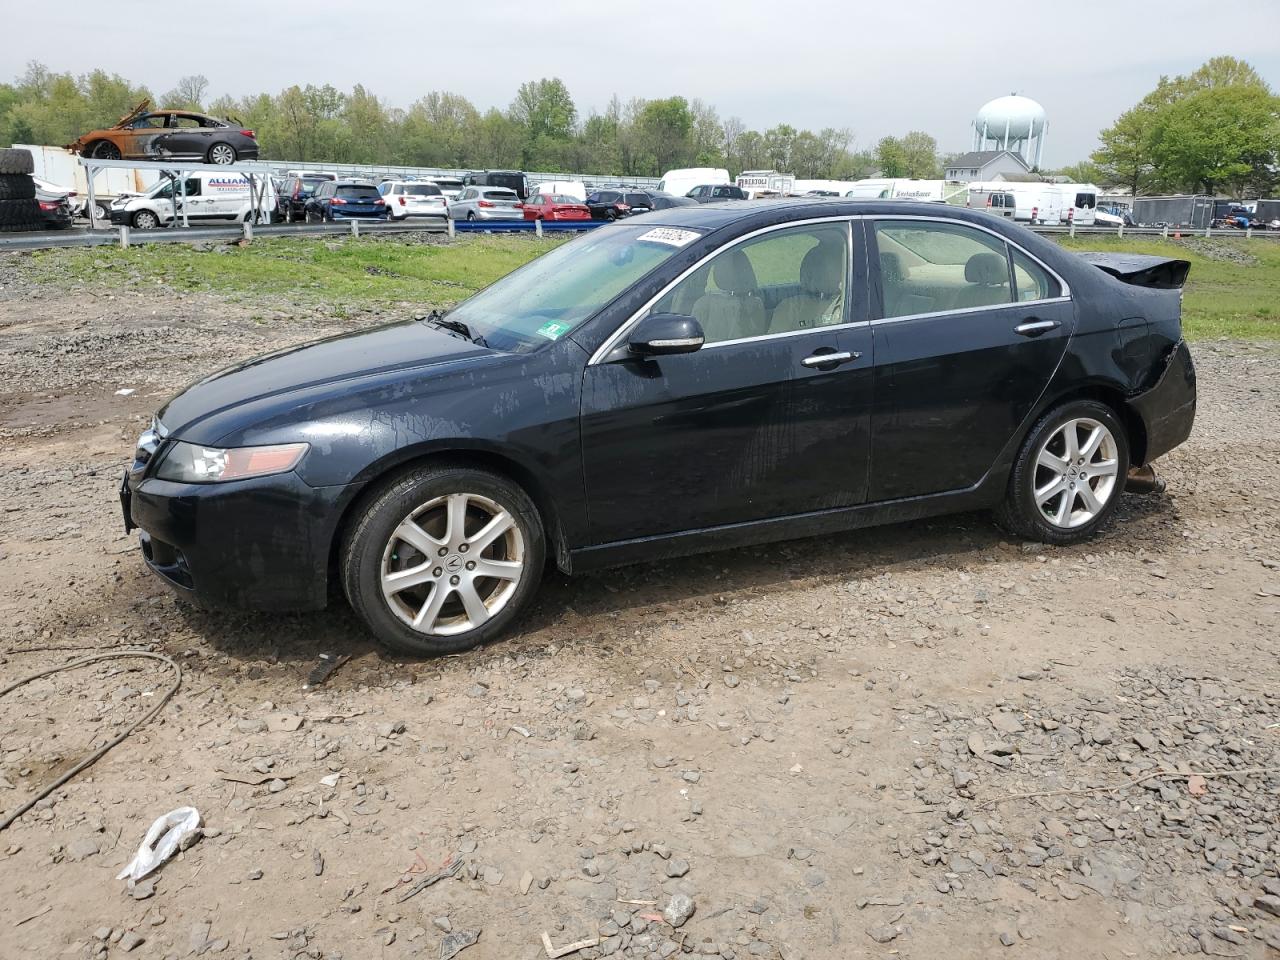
(877,69)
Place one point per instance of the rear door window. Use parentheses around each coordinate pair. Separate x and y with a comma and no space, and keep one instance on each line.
(931,267)
(637,200)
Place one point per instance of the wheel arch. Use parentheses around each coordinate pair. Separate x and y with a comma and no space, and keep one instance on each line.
(385,471)
(1111,396)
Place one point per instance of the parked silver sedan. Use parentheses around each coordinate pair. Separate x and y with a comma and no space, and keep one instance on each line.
(405,199)
(487,203)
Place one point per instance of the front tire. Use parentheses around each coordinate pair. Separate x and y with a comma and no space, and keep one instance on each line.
(443,559)
(145,220)
(1066,483)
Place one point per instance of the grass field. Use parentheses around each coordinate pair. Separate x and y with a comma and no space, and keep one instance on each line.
(1233,290)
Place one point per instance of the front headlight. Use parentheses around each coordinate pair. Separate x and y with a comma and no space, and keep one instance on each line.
(196,463)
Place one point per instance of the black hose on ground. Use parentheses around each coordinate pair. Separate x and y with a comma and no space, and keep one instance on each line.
(101,751)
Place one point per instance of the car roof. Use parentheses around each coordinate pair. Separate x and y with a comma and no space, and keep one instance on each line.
(713,216)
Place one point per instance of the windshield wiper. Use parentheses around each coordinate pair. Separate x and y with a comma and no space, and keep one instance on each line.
(437,319)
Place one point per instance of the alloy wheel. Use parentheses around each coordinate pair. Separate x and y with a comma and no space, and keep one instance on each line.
(221,153)
(106,150)
(453,564)
(1076,473)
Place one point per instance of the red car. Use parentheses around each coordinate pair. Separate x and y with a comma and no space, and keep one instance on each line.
(546,206)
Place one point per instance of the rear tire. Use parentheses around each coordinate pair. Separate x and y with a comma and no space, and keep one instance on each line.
(439,514)
(17,186)
(471,215)
(221,154)
(1066,483)
(18,162)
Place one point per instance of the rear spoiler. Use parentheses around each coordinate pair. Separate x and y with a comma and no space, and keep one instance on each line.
(1141,270)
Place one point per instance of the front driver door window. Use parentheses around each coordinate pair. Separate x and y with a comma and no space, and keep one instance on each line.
(755,424)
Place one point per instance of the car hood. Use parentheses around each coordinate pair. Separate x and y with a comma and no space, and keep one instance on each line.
(407,345)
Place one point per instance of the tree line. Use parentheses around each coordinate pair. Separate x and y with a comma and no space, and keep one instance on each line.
(1214,130)
(542,129)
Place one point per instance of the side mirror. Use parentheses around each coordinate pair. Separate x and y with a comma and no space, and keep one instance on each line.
(662,334)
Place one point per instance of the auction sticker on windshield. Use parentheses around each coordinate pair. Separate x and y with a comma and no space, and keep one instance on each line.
(669,235)
(553,329)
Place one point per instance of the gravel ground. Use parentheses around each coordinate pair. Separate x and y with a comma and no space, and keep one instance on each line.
(921,740)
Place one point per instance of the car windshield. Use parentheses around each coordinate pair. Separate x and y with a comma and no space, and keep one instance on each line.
(549,297)
(422,190)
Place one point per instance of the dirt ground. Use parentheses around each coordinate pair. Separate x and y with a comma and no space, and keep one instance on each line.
(814,741)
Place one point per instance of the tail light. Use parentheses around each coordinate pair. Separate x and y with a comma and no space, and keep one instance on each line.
(249,134)
(381,203)
(47,205)
(621,206)
(484,203)
(337,200)
(519,206)
(402,201)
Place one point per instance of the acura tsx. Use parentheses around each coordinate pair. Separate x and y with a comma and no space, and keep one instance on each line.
(692,379)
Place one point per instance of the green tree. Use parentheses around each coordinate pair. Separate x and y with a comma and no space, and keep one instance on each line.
(665,127)
(1085,171)
(1216,128)
(920,156)
(891,157)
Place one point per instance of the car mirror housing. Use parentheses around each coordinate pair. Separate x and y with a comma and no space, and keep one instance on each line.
(662,334)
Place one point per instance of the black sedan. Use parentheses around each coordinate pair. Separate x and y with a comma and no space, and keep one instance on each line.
(690,380)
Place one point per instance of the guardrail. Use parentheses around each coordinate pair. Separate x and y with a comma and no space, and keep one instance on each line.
(126,237)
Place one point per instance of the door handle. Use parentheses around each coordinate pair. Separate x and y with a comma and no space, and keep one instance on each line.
(829,359)
(1033,328)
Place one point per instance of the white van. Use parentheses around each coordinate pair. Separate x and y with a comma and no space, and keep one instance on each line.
(1079,203)
(205,196)
(1036,202)
(565,188)
(680,182)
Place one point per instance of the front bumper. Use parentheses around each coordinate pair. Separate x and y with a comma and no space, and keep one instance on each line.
(1168,409)
(260,544)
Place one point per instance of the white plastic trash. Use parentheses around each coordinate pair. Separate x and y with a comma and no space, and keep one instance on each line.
(161,842)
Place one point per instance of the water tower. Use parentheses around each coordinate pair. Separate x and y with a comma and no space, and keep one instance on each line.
(1011,123)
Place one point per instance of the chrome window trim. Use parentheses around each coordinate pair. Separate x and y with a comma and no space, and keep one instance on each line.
(1065,293)
(613,340)
(962,310)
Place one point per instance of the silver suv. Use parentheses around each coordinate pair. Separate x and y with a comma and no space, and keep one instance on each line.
(487,203)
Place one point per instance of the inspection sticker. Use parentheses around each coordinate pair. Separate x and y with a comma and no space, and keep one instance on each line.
(553,329)
(670,236)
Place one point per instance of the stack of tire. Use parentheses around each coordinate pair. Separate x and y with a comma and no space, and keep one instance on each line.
(19,208)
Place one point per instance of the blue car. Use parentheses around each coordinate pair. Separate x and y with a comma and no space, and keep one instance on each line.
(346,200)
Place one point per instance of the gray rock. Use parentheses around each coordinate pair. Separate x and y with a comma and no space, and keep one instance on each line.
(884,933)
(454,943)
(143,889)
(1007,939)
(131,941)
(680,908)
(677,868)
(1269,903)
(83,848)
(1005,723)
